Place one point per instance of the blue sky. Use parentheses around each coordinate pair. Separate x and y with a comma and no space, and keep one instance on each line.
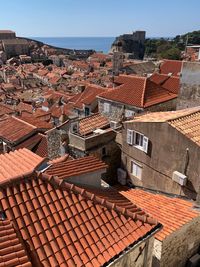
(49,18)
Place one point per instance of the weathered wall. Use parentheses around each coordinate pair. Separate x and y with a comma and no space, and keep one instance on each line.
(92,141)
(7,35)
(189,95)
(181,245)
(94,146)
(166,154)
(117,110)
(54,143)
(165,106)
(112,159)
(136,258)
(15,47)
(90,179)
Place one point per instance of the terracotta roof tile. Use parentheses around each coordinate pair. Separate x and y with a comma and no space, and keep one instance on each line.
(171,212)
(89,124)
(31,143)
(138,91)
(170,83)
(59,244)
(88,96)
(12,252)
(165,116)
(185,121)
(171,66)
(76,167)
(37,122)
(18,163)
(14,129)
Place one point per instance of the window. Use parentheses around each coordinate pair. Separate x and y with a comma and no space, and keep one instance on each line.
(87,111)
(106,107)
(138,140)
(136,170)
(103,152)
(129,113)
(129,137)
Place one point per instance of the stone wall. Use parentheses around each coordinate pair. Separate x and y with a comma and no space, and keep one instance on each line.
(189,95)
(138,256)
(165,106)
(181,245)
(54,143)
(117,110)
(7,35)
(15,47)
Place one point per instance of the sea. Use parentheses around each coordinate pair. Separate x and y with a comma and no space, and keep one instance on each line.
(99,44)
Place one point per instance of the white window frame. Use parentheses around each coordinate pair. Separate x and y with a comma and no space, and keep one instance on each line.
(143,140)
(106,107)
(129,137)
(136,170)
(129,113)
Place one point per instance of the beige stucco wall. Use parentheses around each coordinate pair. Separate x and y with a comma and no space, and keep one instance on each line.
(138,256)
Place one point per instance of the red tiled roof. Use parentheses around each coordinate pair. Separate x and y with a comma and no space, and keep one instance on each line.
(65,225)
(37,122)
(42,148)
(88,96)
(138,91)
(14,129)
(76,167)
(90,123)
(5,109)
(171,212)
(12,252)
(155,94)
(31,142)
(24,107)
(18,163)
(171,66)
(171,83)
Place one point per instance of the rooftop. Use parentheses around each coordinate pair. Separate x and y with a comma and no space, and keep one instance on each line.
(88,95)
(66,225)
(14,129)
(171,212)
(138,91)
(76,167)
(185,121)
(164,116)
(18,163)
(171,66)
(12,251)
(88,124)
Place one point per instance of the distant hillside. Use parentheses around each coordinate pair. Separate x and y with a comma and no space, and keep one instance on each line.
(170,48)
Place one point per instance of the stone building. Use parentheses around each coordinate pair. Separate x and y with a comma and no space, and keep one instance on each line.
(93,136)
(132,45)
(189,95)
(178,241)
(15,47)
(134,94)
(62,224)
(7,34)
(161,151)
